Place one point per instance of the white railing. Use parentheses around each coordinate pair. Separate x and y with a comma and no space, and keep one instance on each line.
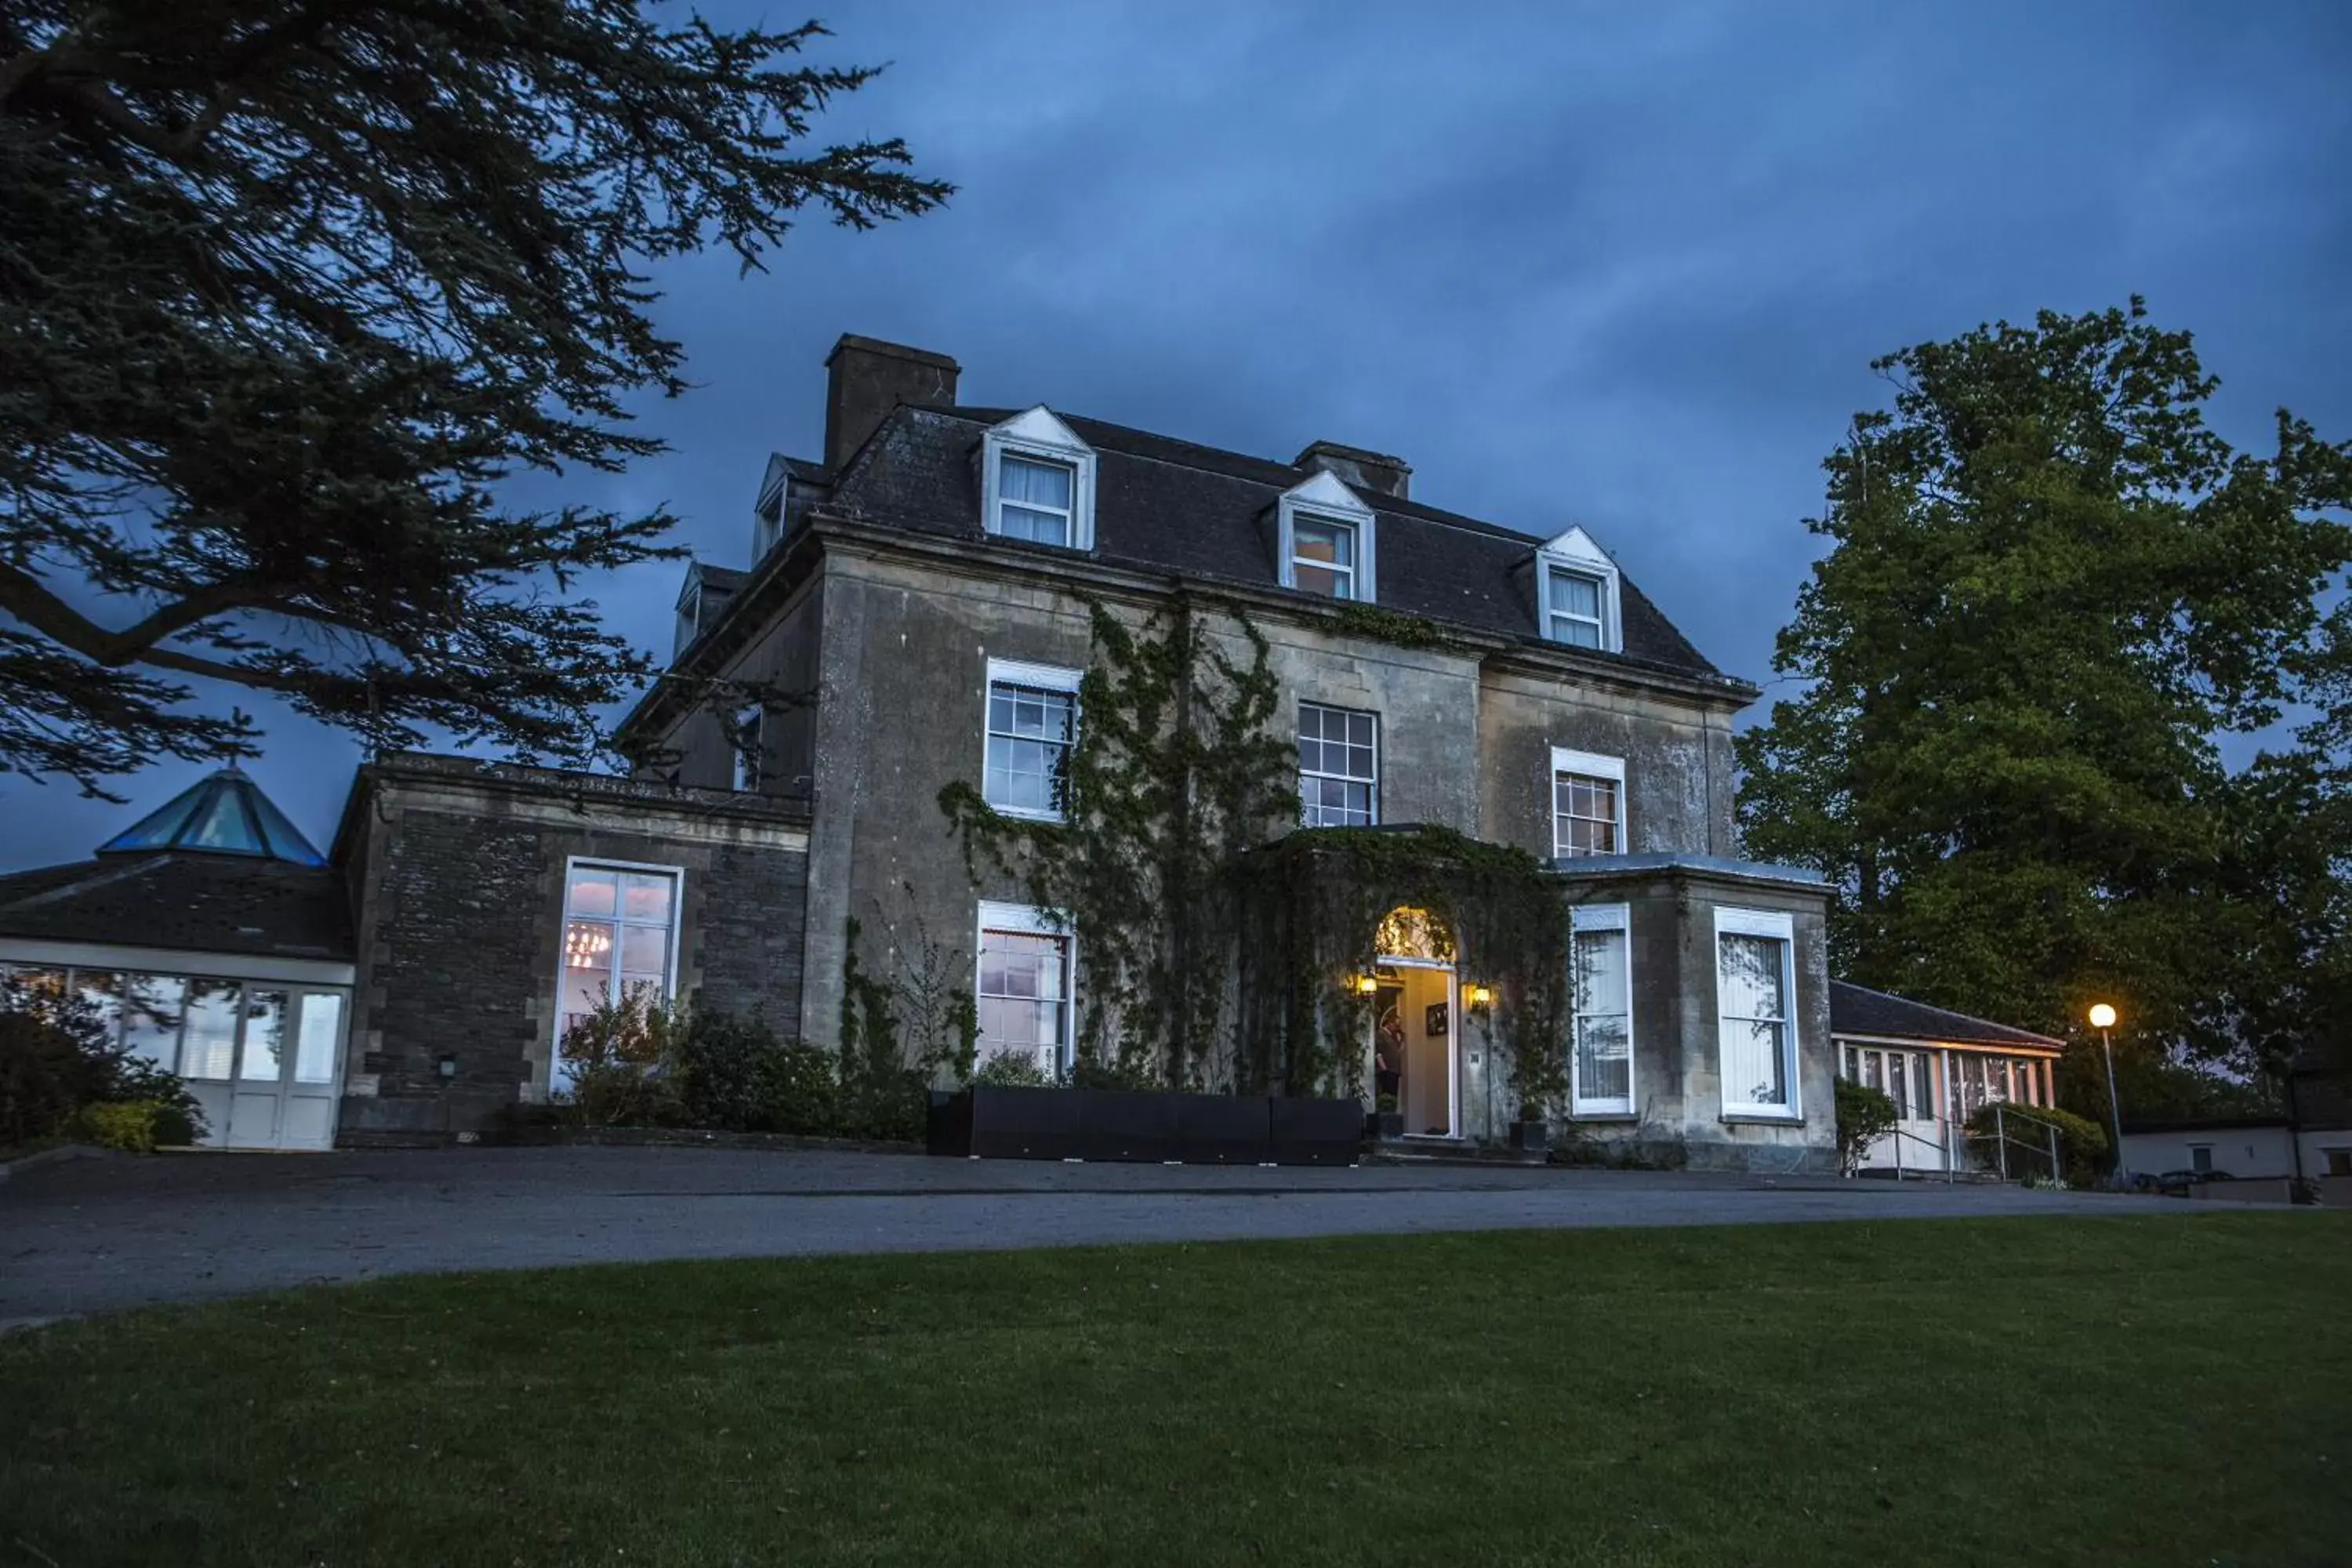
(1943,1165)
(2046,1146)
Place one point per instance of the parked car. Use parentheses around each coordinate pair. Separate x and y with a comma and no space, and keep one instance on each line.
(2182,1181)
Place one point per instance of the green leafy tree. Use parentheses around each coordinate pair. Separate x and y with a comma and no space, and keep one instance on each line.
(2051,588)
(285,288)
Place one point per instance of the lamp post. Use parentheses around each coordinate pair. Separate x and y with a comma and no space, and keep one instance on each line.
(2102,1018)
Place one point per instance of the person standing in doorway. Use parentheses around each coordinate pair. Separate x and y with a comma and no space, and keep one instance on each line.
(1388,1057)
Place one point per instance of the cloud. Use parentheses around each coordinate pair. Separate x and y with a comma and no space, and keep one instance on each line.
(1625,266)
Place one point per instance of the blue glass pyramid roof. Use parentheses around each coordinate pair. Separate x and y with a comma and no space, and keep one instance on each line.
(223,813)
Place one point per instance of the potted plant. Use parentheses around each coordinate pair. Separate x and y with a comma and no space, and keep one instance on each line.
(1530,1133)
(1388,1121)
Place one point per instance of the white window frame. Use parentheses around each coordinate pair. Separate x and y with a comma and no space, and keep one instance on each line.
(1576,554)
(1590,765)
(1039,436)
(1041,677)
(1780,925)
(1326,498)
(1349,574)
(572,863)
(750,751)
(1603,917)
(1028,920)
(1373,782)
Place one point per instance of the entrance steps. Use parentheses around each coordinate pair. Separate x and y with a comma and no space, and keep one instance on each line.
(1965,1178)
(1445,1152)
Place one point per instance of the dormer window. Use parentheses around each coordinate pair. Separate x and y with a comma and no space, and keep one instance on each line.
(1323,556)
(689,615)
(1577,593)
(1033,499)
(1576,608)
(1037,482)
(1324,540)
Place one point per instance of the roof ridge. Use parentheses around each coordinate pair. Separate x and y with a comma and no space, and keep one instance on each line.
(102,874)
(1947,1012)
(1401,505)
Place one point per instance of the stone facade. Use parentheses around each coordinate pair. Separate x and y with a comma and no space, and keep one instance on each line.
(882,600)
(458,872)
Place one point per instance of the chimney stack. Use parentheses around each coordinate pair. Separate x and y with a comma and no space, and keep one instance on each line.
(865,379)
(1368,473)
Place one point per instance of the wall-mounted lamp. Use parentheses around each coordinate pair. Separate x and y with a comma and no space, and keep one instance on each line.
(1367,983)
(1479,997)
(447,1066)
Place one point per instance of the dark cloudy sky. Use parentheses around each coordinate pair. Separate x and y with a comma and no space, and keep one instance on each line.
(1618,265)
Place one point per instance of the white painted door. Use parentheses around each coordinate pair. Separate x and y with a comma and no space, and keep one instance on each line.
(1905,1076)
(288,1064)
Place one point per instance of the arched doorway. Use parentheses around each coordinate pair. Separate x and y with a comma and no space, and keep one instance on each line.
(1415,1022)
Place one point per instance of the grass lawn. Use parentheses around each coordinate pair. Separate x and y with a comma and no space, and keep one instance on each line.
(2144,1390)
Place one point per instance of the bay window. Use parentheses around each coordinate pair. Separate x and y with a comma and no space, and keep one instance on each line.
(1755,997)
(1601,956)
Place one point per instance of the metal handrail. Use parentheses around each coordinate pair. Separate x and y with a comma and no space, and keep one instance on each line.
(1942,1148)
(2002,1140)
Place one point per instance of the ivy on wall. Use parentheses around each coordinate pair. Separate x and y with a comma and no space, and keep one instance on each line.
(1218,949)
(1177,769)
(1315,902)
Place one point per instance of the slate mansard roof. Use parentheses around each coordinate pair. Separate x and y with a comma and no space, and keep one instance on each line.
(1858,1010)
(1200,513)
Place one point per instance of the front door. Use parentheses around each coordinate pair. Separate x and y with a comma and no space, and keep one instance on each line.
(1417,1015)
(288,1067)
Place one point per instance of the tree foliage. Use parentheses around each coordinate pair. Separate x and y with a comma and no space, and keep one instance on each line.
(2052,590)
(286,287)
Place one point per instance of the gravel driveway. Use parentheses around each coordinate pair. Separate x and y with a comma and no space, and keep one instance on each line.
(97,1234)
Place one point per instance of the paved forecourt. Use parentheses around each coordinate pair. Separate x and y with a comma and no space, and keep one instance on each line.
(103,1234)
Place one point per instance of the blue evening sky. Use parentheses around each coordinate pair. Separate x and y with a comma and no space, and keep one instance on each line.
(1622,266)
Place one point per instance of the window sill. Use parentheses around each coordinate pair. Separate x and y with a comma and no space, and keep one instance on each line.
(1026,815)
(1584,1116)
(1764,1118)
(997,536)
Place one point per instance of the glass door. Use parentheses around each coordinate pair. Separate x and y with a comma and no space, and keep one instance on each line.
(290,1051)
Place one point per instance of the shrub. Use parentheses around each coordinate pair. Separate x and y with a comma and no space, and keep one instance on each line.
(721,1069)
(1864,1115)
(622,1058)
(45,1078)
(798,1091)
(1012,1069)
(133,1126)
(890,1106)
(2081,1141)
(1131,1074)
(57,1057)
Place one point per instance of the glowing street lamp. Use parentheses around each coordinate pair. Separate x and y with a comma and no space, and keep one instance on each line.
(2102,1018)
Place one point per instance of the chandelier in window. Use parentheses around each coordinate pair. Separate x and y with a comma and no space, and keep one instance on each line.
(586,946)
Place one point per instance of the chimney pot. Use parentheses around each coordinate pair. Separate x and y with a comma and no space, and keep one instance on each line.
(866,378)
(1371,473)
